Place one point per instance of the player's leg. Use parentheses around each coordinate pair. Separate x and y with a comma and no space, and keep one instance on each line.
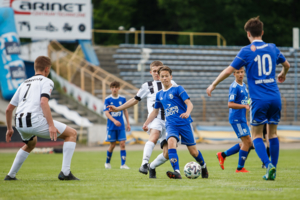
(231,151)
(123,154)
(274,144)
(266,137)
(243,153)
(173,156)
(21,157)
(69,135)
(109,153)
(159,160)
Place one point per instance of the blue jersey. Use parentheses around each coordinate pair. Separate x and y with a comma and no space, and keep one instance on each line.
(116,101)
(260,60)
(172,100)
(238,94)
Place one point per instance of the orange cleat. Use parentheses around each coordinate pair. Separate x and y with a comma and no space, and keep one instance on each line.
(243,170)
(221,159)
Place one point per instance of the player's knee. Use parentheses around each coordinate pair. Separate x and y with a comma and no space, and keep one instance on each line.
(122,144)
(194,153)
(113,145)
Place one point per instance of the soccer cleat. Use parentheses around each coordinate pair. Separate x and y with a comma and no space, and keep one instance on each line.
(107,166)
(70,177)
(124,167)
(271,173)
(8,178)
(204,172)
(221,159)
(144,169)
(243,170)
(152,173)
(263,166)
(173,175)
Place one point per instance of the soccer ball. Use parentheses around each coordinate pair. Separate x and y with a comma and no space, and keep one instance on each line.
(192,170)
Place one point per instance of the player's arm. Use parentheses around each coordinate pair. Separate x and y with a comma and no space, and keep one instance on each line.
(237,106)
(189,109)
(47,114)
(284,71)
(222,76)
(128,104)
(108,115)
(151,117)
(127,119)
(8,114)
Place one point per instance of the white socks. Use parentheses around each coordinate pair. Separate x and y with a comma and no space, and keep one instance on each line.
(159,160)
(20,158)
(147,152)
(68,151)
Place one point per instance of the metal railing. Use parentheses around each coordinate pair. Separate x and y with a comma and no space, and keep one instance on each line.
(74,68)
(163,35)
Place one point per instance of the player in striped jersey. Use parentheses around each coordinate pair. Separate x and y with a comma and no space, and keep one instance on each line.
(157,128)
(33,118)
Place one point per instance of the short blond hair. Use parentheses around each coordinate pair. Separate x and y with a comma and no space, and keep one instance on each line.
(156,63)
(41,63)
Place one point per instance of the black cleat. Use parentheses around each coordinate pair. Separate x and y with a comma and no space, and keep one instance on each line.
(152,173)
(71,177)
(8,178)
(174,175)
(204,172)
(144,169)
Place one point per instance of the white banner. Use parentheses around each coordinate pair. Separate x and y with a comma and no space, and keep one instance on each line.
(52,19)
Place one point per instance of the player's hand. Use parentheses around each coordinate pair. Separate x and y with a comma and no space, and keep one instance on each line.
(145,127)
(247,107)
(281,77)
(113,108)
(53,133)
(210,89)
(9,134)
(184,115)
(117,123)
(128,127)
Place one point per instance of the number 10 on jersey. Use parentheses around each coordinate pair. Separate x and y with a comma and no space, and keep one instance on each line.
(261,62)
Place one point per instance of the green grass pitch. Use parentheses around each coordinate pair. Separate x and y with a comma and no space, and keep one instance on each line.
(38,178)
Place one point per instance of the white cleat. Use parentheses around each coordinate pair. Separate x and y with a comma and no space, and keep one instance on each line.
(124,167)
(107,166)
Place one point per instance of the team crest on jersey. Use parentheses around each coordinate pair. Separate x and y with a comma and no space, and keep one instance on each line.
(120,102)
(253,48)
(111,103)
(161,98)
(171,96)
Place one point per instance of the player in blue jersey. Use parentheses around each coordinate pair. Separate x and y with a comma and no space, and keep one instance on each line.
(177,106)
(115,125)
(260,60)
(238,104)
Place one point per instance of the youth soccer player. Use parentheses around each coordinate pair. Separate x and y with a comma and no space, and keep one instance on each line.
(238,105)
(115,125)
(33,118)
(260,60)
(178,107)
(156,129)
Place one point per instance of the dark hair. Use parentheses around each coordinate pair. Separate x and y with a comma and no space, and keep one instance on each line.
(165,68)
(156,63)
(41,63)
(254,26)
(115,84)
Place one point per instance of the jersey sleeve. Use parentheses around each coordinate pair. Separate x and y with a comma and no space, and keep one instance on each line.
(15,99)
(142,93)
(239,61)
(47,88)
(182,93)
(232,94)
(157,104)
(106,103)
(280,58)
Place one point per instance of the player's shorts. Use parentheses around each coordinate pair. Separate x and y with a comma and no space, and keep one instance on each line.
(241,129)
(265,112)
(185,131)
(115,135)
(160,125)
(39,128)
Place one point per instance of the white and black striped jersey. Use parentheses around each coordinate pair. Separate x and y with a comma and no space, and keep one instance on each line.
(148,90)
(28,98)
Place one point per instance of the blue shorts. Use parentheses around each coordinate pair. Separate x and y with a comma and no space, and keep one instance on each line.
(265,112)
(185,131)
(115,135)
(241,129)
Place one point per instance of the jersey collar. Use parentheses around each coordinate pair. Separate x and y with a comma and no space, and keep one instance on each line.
(114,97)
(257,41)
(238,83)
(169,88)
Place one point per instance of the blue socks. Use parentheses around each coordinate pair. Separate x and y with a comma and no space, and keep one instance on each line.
(233,150)
(123,156)
(173,157)
(274,150)
(261,151)
(108,157)
(200,159)
(242,158)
